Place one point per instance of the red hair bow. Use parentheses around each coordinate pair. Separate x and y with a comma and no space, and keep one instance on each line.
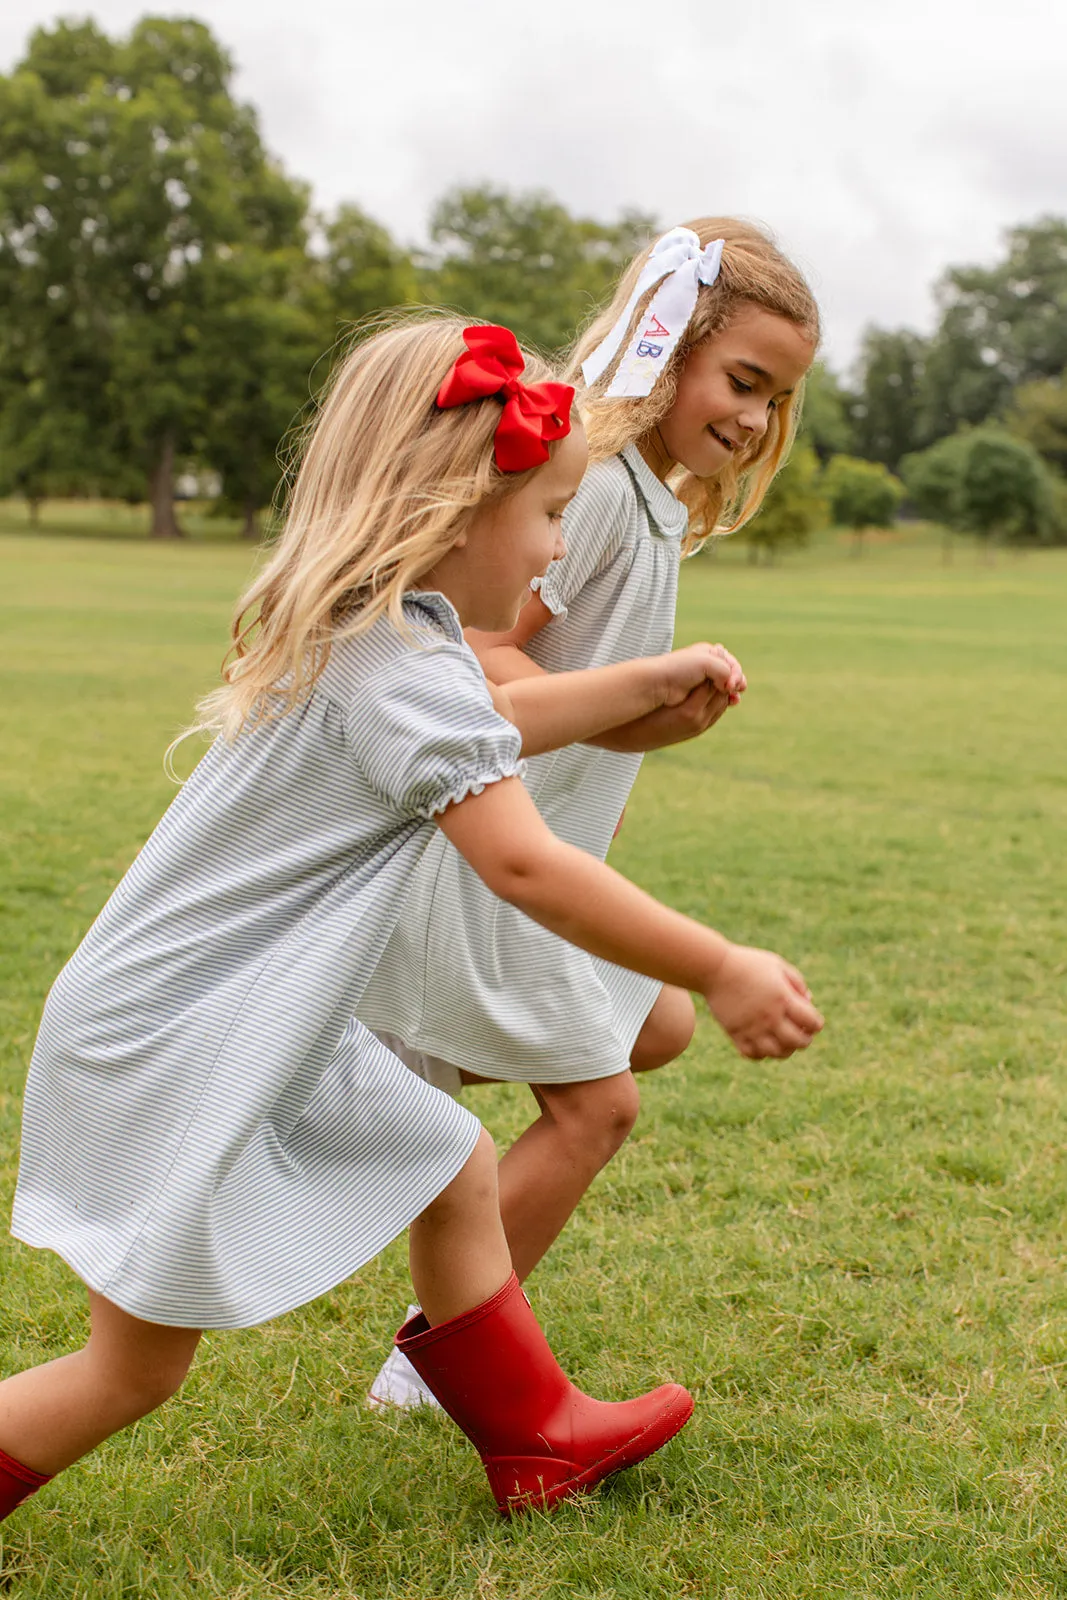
(534,413)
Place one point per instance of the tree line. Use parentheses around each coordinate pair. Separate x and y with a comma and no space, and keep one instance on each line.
(968,425)
(169,292)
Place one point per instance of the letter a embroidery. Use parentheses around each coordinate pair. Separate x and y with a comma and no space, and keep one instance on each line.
(657,327)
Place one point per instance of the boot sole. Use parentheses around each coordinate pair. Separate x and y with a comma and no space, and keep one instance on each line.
(639,1448)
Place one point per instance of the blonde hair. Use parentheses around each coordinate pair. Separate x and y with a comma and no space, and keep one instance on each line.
(381,485)
(753,272)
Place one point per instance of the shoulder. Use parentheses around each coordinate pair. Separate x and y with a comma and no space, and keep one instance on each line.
(422,728)
(427,646)
(606,496)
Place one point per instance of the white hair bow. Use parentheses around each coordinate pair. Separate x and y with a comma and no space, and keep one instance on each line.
(679,258)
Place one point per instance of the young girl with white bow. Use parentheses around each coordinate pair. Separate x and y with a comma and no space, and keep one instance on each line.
(209,1138)
(692,377)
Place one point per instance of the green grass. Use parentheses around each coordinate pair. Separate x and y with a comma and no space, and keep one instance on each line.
(855,1258)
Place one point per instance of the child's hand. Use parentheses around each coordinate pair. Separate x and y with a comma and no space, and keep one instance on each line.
(762,1003)
(686,670)
(699,711)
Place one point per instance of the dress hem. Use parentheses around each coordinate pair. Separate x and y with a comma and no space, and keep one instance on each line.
(41,1238)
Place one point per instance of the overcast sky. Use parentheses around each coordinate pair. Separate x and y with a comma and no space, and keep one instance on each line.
(880,141)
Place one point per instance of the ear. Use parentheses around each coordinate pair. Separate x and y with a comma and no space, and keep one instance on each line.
(459,541)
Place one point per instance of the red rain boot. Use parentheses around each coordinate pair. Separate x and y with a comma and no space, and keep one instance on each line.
(540,1439)
(17,1483)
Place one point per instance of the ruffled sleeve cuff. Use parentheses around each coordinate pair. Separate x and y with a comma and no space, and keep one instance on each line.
(462,788)
(426,733)
(547,589)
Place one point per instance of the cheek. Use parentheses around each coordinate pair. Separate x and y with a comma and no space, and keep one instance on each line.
(685,422)
(699,402)
(532,549)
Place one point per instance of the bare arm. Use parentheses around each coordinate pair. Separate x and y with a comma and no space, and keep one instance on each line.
(635,705)
(762,1003)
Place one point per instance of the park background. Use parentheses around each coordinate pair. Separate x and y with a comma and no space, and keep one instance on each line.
(856,1258)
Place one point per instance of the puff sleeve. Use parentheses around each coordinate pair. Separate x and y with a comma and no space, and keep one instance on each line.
(596,526)
(425,732)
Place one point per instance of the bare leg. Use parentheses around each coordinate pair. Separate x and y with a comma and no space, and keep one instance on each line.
(667,1031)
(460,1249)
(458,1252)
(549,1167)
(54,1414)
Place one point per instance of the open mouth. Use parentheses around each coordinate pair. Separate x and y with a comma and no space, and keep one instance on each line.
(727,444)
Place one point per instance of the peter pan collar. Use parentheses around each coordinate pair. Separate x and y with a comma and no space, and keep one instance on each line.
(665,509)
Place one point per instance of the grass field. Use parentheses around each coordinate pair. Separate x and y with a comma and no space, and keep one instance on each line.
(855,1258)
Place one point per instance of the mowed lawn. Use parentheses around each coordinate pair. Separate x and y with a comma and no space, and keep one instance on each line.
(855,1258)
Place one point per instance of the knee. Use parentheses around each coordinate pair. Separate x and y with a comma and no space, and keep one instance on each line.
(160,1380)
(475,1184)
(667,1032)
(138,1384)
(482,1162)
(596,1117)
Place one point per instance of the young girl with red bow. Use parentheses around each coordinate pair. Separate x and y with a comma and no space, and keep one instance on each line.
(692,376)
(209,1138)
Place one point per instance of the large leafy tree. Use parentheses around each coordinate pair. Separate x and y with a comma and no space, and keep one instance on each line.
(826,414)
(362,268)
(1038,414)
(525,261)
(128,177)
(1000,327)
(275,327)
(263,330)
(45,449)
(885,413)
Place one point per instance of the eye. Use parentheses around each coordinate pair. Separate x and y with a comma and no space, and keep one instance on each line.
(555,516)
(740,386)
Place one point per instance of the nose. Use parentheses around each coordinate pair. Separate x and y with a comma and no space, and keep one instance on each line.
(560,549)
(755,419)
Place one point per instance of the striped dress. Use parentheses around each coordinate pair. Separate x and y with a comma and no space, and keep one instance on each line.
(467,981)
(209,1136)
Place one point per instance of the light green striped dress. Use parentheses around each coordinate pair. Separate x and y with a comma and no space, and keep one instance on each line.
(467,981)
(209,1138)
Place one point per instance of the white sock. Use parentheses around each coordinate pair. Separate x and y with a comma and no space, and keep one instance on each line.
(398,1384)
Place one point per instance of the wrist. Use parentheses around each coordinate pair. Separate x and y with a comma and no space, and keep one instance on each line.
(717,956)
(658,681)
(640,687)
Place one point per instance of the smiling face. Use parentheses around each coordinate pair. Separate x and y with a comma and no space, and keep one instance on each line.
(487,572)
(727,393)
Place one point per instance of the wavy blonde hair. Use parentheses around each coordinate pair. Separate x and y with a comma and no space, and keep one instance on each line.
(382,483)
(754,272)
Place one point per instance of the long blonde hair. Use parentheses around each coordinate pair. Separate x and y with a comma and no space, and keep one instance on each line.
(382,484)
(753,272)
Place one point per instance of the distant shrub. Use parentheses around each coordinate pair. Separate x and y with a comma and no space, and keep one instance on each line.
(793,510)
(861,494)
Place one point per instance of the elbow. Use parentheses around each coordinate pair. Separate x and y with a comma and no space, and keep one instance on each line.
(520,871)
